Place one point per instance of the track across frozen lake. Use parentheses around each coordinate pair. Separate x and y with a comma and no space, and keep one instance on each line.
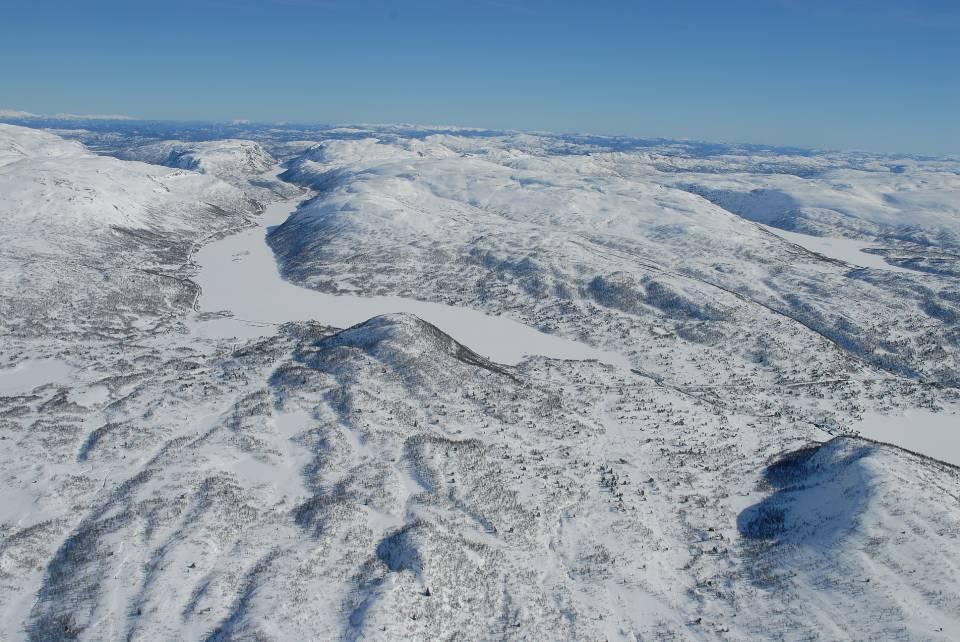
(239,274)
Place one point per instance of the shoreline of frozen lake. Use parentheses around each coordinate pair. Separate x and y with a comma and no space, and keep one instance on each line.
(239,274)
(31,373)
(843,249)
(935,435)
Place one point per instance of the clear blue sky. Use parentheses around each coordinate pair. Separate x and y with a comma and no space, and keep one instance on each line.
(856,74)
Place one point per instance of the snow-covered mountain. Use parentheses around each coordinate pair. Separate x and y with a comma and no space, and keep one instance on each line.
(241,157)
(589,246)
(93,244)
(177,474)
(243,163)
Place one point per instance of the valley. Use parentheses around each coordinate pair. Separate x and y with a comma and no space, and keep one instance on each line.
(397,382)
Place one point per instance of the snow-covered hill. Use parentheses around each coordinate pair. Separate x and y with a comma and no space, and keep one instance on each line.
(165,476)
(95,245)
(384,482)
(243,163)
(221,157)
(589,247)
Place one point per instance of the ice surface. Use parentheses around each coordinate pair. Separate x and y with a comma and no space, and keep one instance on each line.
(934,434)
(847,250)
(239,274)
(29,374)
(243,480)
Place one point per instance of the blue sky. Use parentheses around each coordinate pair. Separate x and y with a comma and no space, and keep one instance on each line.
(878,75)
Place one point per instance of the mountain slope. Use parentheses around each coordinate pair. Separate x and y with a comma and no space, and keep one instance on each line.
(242,163)
(95,245)
(162,477)
(376,483)
(577,245)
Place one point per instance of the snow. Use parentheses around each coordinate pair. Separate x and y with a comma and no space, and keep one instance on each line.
(239,274)
(843,249)
(220,476)
(29,374)
(934,434)
(39,172)
(77,226)
(602,248)
(868,199)
(91,395)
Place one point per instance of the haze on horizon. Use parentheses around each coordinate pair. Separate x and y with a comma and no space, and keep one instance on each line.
(875,76)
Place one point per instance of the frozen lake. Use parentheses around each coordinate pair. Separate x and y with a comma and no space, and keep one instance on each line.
(936,435)
(27,375)
(239,273)
(847,250)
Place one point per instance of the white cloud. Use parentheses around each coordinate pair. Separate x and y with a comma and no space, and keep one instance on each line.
(15,113)
(63,116)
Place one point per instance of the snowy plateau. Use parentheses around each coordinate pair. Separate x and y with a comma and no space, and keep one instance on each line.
(263,382)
